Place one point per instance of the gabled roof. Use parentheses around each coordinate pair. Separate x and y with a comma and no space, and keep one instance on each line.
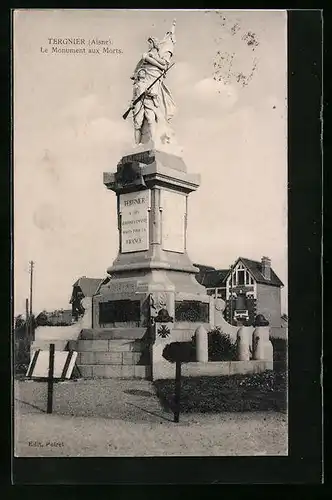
(215,279)
(204,268)
(255,267)
(88,286)
(202,271)
(209,276)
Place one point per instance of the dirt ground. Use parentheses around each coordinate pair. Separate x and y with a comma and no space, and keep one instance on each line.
(124,418)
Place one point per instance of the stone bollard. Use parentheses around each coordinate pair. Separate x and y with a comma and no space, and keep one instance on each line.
(219,307)
(201,335)
(243,352)
(86,320)
(268,351)
(260,343)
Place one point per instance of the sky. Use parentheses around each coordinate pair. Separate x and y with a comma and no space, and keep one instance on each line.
(230,86)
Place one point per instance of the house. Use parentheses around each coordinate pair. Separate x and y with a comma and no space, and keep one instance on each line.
(213,279)
(83,287)
(249,287)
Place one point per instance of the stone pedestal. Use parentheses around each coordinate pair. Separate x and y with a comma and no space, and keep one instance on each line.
(262,346)
(202,345)
(152,270)
(244,335)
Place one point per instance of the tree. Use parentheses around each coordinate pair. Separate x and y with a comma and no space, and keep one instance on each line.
(19,322)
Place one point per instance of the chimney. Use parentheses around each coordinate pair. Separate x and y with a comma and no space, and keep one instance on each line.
(266,268)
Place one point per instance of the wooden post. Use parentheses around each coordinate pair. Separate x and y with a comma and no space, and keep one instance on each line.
(27,328)
(28,340)
(31,282)
(50,380)
(177,391)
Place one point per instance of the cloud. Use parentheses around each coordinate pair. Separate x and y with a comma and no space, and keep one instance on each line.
(81,126)
(85,120)
(105,130)
(216,93)
(188,86)
(182,74)
(47,216)
(83,108)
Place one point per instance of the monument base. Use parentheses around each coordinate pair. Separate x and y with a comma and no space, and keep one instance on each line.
(152,272)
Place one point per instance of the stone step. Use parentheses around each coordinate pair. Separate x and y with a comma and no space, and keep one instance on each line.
(125,345)
(113,333)
(115,371)
(109,358)
(70,332)
(107,345)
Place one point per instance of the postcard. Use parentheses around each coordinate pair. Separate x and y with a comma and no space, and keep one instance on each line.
(150,228)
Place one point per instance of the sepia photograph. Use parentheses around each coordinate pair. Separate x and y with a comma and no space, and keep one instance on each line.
(150,228)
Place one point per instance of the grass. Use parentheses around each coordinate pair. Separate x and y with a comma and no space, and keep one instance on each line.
(265,391)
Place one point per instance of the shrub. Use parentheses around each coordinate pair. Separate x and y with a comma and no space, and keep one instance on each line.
(221,347)
(179,351)
(279,354)
(279,348)
(22,343)
(21,356)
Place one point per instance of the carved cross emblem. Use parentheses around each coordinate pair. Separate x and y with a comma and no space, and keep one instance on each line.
(163,331)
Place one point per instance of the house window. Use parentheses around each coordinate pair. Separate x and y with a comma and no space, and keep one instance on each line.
(249,280)
(240,277)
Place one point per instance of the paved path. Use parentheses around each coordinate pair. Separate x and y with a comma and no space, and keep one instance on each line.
(125,418)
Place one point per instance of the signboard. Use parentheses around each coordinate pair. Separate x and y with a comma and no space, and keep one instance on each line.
(134,209)
(64,362)
(173,221)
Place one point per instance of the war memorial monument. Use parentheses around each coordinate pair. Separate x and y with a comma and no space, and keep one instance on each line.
(151,297)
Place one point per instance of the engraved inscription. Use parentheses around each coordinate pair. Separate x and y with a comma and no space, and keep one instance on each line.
(134,209)
(122,287)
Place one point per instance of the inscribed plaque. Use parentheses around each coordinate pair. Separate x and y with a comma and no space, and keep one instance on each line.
(173,221)
(134,221)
